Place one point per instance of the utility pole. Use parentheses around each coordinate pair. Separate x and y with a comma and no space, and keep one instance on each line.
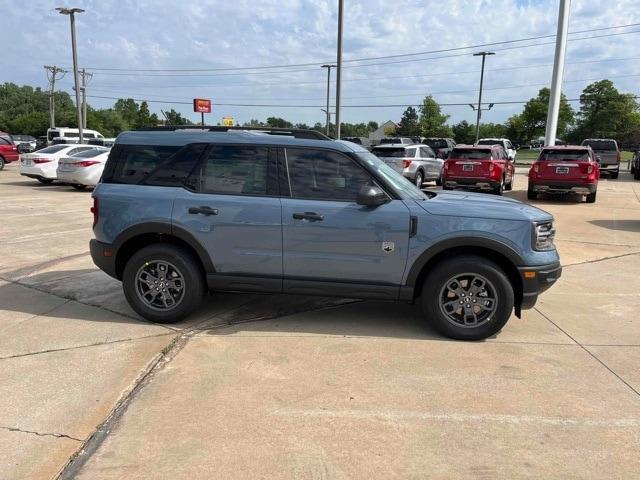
(339,67)
(328,67)
(558,73)
(84,76)
(52,76)
(479,110)
(71,12)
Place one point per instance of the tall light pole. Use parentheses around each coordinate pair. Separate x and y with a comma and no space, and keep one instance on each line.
(339,67)
(71,12)
(328,67)
(483,55)
(558,72)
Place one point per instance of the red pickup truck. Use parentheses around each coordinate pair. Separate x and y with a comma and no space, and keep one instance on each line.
(8,150)
(478,167)
(565,169)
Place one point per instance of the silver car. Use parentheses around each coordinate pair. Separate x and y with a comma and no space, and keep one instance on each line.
(418,163)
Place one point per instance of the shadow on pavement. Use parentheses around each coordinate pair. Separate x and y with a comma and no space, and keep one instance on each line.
(622,225)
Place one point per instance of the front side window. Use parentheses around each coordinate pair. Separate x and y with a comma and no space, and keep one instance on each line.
(323,175)
(232,170)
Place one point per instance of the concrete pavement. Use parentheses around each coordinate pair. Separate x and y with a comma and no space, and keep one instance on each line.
(271,386)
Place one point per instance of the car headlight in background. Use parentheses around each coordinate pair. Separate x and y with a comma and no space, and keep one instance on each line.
(543,235)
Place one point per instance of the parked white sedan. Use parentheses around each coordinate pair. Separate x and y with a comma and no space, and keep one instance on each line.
(42,164)
(83,169)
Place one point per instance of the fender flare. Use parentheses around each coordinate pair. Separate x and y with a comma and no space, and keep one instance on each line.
(163,228)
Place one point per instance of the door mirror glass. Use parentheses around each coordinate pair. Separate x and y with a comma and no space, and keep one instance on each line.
(371,196)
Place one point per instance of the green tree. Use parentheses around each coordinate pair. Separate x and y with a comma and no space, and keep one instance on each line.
(175,118)
(128,108)
(464,133)
(277,122)
(408,126)
(432,121)
(534,115)
(606,113)
(492,130)
(253,123)
(145,118)
(516,131)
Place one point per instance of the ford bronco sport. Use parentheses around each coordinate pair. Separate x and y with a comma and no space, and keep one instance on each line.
(180,212)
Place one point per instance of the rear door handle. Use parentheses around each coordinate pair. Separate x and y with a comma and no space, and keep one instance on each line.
(203,211)
(314,217)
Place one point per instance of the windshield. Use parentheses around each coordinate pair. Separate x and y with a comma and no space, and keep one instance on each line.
(53,149)
(407,190)
(564,155)
(390,152)
(601,145)
(434,143)
(471,154)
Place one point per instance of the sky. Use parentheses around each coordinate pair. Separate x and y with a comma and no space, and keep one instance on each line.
(231,38)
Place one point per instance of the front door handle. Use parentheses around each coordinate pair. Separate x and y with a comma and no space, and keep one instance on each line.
(203,211)
(314,217)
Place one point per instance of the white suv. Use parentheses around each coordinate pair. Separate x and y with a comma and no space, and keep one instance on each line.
(418,163)
(504,143)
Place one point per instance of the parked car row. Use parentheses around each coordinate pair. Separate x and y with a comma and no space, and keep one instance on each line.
(79,165)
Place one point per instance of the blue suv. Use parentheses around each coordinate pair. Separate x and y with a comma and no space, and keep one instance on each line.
(182,212)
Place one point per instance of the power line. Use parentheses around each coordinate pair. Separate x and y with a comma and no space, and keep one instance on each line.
(364,59)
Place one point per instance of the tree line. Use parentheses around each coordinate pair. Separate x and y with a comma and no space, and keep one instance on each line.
(603,112)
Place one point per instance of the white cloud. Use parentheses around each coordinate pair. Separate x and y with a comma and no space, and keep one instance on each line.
(221,34)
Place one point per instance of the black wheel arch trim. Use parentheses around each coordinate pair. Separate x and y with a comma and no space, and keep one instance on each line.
(162,228)
(456,242)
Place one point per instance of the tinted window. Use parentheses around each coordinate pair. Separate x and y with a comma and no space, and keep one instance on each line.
(233,170)
(399,152)
(426,152)
(564,155)
(405,190)
(436,143)
(4,141)
(135,162)
(489,142)
(601,145)
(470,154)
(175,170)
(324,175)
(92,152)
(71,134)
(75,151)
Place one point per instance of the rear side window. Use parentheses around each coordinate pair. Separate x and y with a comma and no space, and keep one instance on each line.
(173,172)
(232,170)
(399,152)
(471,154)
(601,145)
(52,149)
(135,162)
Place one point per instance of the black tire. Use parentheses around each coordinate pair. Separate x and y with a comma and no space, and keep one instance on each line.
(1,162)
(499,190)
(188,267)
(531,195)
(79,187)
(419,180)
(591,198)
(436,283)
(509,186)
(46,181)
(614,175)
(444,187)
(636,174)
(439,181)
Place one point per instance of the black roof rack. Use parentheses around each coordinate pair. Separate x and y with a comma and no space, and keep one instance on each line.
(290,132)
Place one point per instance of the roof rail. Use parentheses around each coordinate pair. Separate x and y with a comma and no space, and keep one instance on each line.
(290,132)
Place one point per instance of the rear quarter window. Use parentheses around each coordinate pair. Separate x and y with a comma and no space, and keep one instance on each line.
(133,163)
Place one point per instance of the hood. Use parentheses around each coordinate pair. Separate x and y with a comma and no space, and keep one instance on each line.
(482,205)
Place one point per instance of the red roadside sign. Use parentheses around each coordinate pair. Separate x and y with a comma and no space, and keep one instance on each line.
(202,105)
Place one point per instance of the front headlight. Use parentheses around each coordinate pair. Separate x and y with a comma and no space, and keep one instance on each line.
(543,235)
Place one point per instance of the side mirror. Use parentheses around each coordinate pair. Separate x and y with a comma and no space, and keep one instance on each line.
(370,196)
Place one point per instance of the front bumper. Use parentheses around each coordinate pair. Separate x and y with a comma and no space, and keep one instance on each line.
(536,280)
(104,257)
(564,187)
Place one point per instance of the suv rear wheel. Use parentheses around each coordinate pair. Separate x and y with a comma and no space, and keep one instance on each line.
(1,162)
(615,174)
(163,283)
(591,198)
(467,298)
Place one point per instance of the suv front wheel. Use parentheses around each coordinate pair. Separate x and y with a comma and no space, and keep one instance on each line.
(163,283)
(467,298)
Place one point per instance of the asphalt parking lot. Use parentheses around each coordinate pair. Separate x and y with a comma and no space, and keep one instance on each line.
(293,387)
